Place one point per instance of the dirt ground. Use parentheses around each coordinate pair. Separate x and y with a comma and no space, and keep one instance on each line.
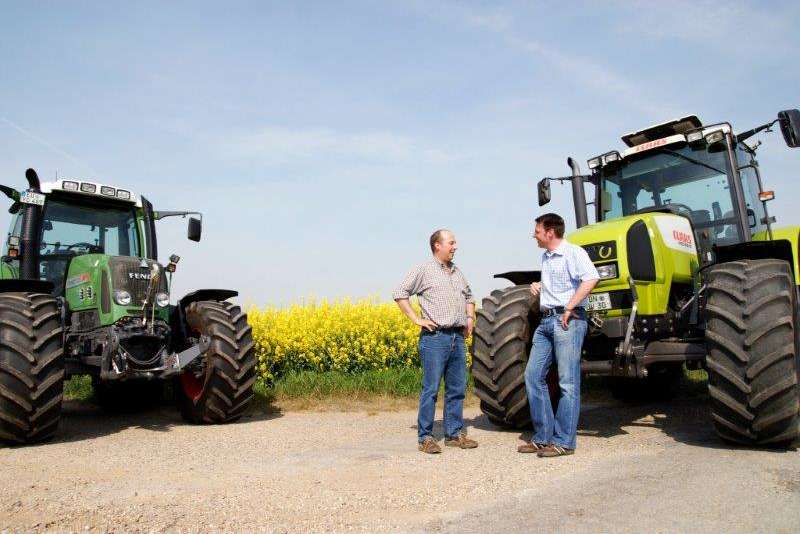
(652,467)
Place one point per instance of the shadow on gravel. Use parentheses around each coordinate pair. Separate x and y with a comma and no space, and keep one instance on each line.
(686,419)
(84,420)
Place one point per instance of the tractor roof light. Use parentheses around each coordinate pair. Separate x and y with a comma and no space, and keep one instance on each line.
(764,196)
(88,188)
(108,191)
(715,137)
(695,136)
(595,163)
(123,195)
(611,157)
(69,186)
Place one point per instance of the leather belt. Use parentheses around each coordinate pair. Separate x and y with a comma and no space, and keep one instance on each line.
(559,310)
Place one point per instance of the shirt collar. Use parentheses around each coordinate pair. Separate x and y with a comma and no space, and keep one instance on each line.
(443,265)
(559,250)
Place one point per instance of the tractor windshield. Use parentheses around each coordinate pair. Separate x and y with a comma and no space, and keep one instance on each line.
(683,179)
(70,229)
(75,228)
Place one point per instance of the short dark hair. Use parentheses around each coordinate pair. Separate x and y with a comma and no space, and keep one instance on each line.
(552,221)
(437,236)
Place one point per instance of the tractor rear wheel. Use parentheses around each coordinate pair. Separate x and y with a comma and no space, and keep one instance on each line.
(501,345)
(752,335)
(219,386)
(31,367)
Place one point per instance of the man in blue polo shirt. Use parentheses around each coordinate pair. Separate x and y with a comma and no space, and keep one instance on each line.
(568,276)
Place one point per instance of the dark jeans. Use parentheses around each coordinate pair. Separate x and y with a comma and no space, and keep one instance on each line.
(552,341)
(442,355)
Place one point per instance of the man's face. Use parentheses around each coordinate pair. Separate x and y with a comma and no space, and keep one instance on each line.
(543,237)
(446,247)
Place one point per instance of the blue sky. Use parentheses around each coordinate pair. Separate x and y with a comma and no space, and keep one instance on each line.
(325,141)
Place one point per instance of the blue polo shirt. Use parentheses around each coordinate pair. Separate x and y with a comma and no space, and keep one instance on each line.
(563,270)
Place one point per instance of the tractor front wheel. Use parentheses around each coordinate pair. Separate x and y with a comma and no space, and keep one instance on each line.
(752,336)
(31,367)
(218,386)
(501,345)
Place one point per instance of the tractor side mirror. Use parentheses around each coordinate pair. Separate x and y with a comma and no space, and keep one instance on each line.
(195,229)
(543,188)
(790,127)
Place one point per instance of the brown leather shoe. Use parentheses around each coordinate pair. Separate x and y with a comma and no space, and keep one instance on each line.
(531,447)
(462,442)
(429,446)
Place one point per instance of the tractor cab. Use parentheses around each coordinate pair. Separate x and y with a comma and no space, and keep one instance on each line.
(701,172)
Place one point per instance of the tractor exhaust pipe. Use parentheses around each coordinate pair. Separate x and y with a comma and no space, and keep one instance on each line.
(29,240)
(578,194)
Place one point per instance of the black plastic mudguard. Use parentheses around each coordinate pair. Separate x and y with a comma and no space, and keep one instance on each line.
(521,277)
(177,318)
(755,250)
(14,285)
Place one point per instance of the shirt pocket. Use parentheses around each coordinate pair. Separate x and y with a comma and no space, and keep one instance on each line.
(559,279)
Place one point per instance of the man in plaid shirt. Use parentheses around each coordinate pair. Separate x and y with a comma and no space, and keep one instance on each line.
(447,318)
(568,276)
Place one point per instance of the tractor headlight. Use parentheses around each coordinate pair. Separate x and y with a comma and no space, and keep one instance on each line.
(162,299)
(122,297)
(607,271)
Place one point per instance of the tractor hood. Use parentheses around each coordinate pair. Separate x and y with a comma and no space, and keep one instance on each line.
(654,249)
(93,280)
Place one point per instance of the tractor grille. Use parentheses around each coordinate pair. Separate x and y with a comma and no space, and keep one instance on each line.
(127,274)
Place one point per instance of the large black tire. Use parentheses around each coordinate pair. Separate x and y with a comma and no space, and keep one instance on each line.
(751,332)
(31,367)
(501,344)
(221,392)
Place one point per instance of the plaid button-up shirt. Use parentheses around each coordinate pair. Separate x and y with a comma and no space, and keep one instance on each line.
(443,293)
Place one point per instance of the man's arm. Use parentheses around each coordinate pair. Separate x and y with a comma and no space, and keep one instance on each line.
(581,293)
(406,308)
(410,285)
(588,275)
(470,319)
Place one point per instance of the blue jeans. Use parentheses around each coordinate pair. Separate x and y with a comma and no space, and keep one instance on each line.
(442,355)
(551,340)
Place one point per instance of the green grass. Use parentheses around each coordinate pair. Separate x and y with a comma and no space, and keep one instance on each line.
(384,389)
(78,387)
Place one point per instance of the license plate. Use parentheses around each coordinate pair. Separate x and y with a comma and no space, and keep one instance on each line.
(599,301)
(31,197)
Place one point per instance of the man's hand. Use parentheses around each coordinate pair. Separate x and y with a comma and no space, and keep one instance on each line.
(536,288)
(427,324)
(468,329)
(565,318)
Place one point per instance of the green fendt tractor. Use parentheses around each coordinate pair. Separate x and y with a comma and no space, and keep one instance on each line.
(692,271)
(82,292)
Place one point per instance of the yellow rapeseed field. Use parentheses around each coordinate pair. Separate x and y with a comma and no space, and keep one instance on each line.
(341,336)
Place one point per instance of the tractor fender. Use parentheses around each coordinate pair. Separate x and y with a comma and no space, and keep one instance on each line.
(519,278)
(177,318)
(15,285)
(790,234)
(780,249)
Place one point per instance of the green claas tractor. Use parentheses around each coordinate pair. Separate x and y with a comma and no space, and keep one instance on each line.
(693,271)
(82,292)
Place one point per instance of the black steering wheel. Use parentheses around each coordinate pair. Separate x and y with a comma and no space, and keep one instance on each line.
(88,246)
(672,207)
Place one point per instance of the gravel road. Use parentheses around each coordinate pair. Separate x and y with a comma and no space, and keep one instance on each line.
(655,467)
